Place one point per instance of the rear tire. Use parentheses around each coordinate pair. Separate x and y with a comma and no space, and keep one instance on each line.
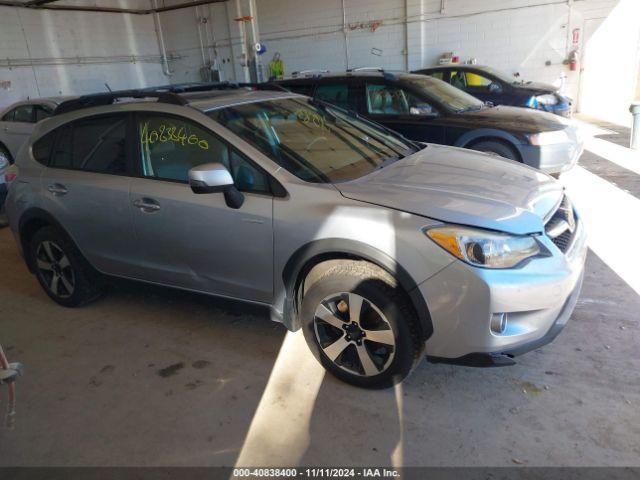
(360,325)
(61,269)
(499,148)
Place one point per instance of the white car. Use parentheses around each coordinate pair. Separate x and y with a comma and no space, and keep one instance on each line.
(17,121)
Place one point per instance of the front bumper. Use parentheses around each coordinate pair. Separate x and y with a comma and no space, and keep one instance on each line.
(538,299)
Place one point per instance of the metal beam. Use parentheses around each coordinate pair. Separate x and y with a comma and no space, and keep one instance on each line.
(185,5)
(48,5)
(37,3)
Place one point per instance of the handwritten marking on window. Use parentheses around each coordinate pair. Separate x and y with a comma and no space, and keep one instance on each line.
(170,133)
(311,119)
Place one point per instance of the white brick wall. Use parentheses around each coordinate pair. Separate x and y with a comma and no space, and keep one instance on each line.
(46,34)
(512,35)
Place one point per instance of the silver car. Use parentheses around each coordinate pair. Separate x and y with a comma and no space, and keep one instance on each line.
(17,122)
(379,248)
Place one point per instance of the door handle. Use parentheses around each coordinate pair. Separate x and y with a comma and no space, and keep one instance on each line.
(147,205)
(57,189)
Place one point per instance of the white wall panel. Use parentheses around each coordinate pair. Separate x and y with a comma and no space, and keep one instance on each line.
(64,38)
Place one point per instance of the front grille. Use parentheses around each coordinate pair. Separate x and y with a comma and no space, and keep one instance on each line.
(561,227)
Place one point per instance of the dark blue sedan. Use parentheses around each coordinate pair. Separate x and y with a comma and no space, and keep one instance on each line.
(499,88)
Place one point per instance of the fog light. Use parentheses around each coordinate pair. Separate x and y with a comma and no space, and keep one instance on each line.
(499,323)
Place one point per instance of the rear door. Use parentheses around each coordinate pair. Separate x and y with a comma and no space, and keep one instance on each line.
(197,241)
(86,185)
(400,110)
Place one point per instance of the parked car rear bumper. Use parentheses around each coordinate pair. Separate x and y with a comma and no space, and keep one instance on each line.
(562,109)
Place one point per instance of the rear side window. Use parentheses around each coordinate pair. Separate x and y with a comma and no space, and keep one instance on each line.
(42,148)
(95,144)
(302,89)
(23,113)
(337,94)
(438,75)
(42,113)
(61,156)
(99,145)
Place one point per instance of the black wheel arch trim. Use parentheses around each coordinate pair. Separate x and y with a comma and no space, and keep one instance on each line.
(312,253)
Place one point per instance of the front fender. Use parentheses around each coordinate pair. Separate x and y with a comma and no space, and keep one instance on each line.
(317,251)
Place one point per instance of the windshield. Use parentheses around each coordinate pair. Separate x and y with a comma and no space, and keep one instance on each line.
(450,97)
(312,140)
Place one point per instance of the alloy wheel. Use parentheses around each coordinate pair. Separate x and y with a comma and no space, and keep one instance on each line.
(55,269)
(354,334)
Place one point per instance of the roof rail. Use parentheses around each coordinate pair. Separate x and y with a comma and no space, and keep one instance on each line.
(310,72)
(204,87)
(164,94)
(363,69)
(108,98)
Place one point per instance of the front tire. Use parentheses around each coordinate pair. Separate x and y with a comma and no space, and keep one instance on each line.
(61,269)
(360,325)
(499,148)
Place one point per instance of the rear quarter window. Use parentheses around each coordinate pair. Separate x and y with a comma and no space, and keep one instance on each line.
(41,149)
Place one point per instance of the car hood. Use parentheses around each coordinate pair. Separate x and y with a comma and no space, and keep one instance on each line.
(461,186)
(512,119)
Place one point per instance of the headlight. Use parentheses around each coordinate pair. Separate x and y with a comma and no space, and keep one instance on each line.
(548,99)
(549,138)
(483,248)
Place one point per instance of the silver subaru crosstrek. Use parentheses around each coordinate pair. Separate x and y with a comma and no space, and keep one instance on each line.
(379,248)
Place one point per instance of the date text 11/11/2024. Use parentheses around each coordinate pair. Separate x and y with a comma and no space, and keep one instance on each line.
(320,472)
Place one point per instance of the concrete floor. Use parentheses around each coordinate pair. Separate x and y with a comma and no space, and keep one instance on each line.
(150,376)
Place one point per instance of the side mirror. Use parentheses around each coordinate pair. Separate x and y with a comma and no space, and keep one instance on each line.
(215,178)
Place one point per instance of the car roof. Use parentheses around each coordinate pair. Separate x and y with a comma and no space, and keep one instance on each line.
(386,74)
(455,66)
(214,99)
(203,97)
(52,102)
